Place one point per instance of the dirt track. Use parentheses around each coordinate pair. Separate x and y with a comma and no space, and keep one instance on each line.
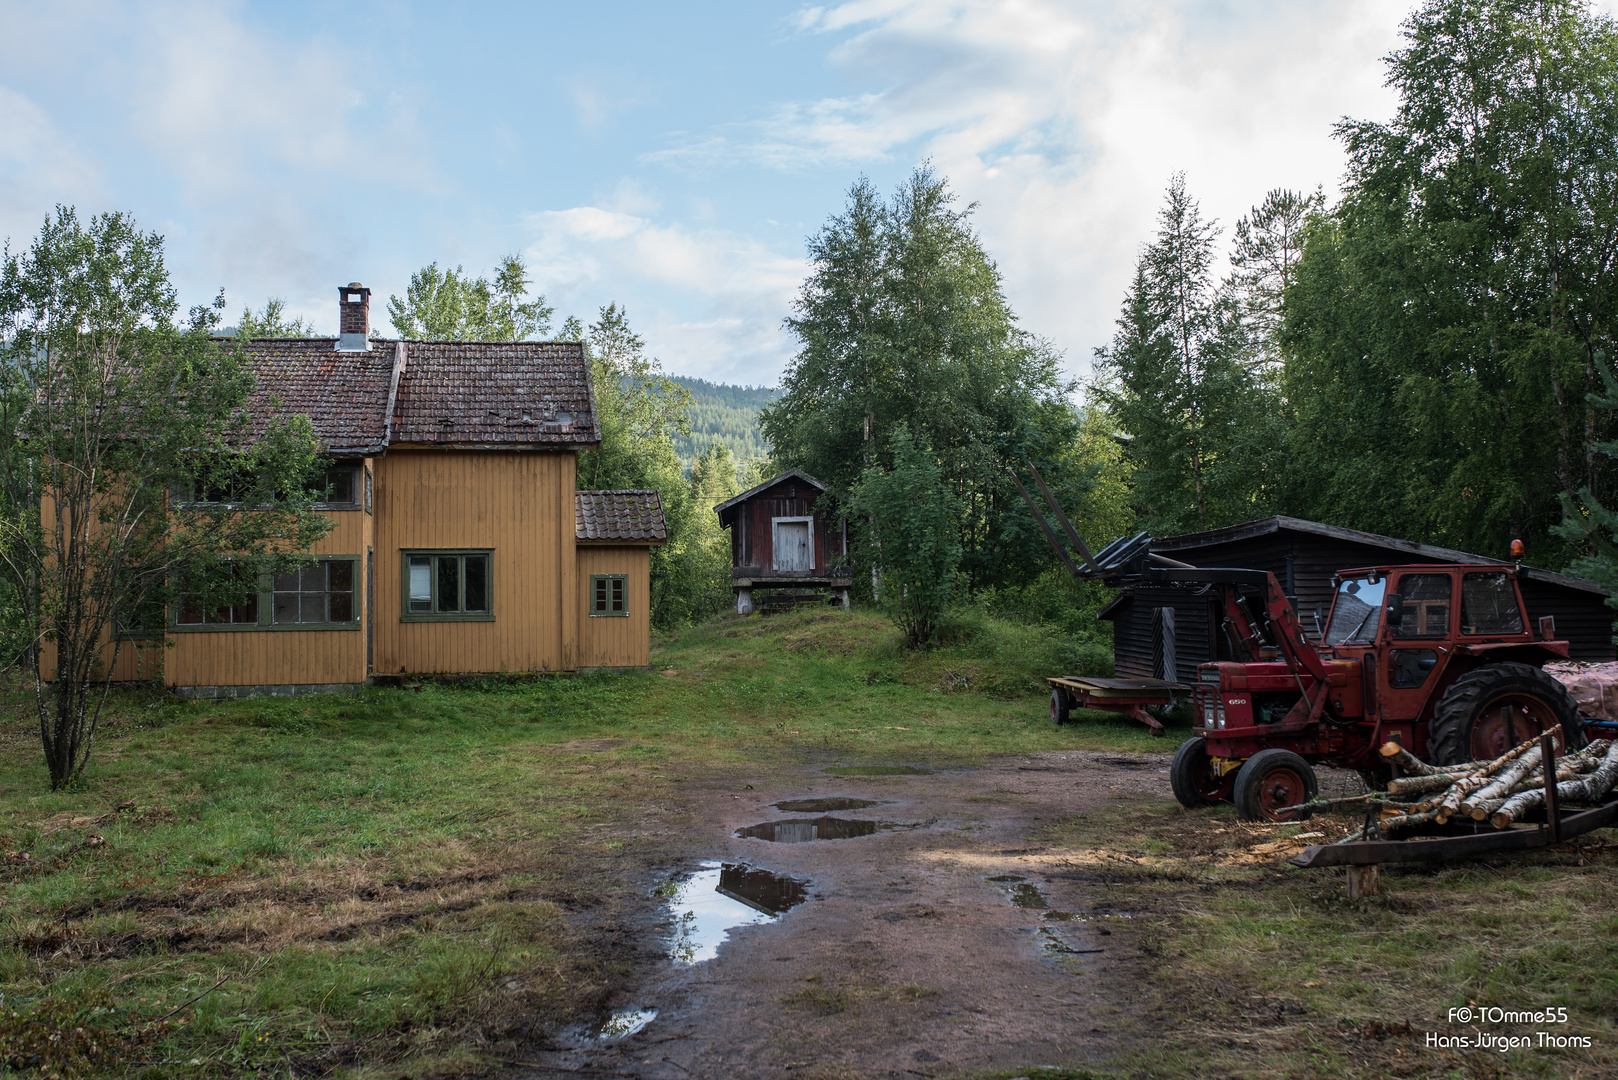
(907,960)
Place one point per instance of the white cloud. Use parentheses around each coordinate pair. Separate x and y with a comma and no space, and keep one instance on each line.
(1065,121)
(39,168)
(709,300)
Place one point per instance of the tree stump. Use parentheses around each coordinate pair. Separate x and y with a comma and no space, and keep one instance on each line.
(1364,881)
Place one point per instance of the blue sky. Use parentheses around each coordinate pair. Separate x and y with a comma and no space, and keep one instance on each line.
(670,157)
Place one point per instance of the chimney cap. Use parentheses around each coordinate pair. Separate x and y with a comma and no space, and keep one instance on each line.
(355,285)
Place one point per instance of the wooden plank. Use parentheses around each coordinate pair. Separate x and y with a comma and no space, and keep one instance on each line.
(1367,852)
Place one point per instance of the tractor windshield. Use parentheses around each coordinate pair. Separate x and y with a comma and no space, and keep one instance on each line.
(1357,611)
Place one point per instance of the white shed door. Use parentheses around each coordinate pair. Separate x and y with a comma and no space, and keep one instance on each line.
(792,551)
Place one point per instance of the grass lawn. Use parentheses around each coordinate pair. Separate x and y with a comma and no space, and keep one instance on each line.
(416,881)
(406,881)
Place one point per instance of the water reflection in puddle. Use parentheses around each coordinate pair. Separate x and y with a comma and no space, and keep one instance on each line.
(720,897)
(1023,894)
(879,770)
(802,831)
(623,1024)
(823,806)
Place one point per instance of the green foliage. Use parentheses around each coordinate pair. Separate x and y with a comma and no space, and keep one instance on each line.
(1586,523)
(903,322)
(908,528)
(640,412)
(271,322)
(723,414)
(1446,318)
(1186,377)
(448,305)
(108,407)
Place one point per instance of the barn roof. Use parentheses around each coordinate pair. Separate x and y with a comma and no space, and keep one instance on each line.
(619,517)
(1406,550)
(463,394)
(724,509)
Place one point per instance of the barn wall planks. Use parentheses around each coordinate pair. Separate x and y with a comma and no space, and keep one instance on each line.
(520,505)
(615,641)
(752,547)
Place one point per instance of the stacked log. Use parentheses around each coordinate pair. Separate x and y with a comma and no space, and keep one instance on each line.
(1500,791)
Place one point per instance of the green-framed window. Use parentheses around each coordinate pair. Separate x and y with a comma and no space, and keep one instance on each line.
(320,595)
(609,594)
(447,585)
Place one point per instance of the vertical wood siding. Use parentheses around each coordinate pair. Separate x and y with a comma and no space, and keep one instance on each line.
(520,505)
(281,657)
(615,642)
(752,537)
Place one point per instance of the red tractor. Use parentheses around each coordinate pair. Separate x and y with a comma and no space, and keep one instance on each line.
(1437,658)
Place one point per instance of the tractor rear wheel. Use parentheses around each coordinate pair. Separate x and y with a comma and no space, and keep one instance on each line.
(1194,780)
(1271,781)
(1490,709)
(1059,706)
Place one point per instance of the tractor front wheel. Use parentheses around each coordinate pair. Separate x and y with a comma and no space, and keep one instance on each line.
(1491,709)
(1194,779)
(1059,706)
(1272,781)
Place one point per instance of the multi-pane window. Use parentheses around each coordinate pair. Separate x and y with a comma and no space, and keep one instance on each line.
(338,485)
(320,593)
(237,612)
(609,594)
(319,596)
(446,585)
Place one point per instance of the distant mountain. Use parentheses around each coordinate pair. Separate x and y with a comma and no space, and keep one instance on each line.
(721,413)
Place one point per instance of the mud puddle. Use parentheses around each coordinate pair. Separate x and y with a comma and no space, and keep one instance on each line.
(1022,892)
(823,828)
(823,806)
(879,770)
(719,898)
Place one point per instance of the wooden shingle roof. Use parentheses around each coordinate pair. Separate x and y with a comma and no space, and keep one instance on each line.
(495,393)
(467,394)
(344,394)
(619,517)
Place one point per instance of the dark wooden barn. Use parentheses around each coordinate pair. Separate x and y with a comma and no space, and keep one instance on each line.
(1164,633)
(778,540)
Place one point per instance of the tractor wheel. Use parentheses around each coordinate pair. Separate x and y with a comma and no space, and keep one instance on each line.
(1270,781)
(1059,706)
(1490,709)
(1193,779)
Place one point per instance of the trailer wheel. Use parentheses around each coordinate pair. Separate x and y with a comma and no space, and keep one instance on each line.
(1272,780)
(1059,706)
(1193,779)
(1490,709)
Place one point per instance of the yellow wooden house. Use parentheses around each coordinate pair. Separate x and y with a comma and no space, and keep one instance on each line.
(460,544)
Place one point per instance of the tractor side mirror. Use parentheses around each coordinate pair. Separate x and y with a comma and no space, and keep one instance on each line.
(1396,610)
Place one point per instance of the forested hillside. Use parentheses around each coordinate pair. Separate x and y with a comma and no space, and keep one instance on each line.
(721,413)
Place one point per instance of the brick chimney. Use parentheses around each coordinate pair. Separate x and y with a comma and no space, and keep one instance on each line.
(354,318)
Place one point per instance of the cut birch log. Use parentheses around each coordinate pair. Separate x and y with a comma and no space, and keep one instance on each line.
(1508,780)
(1418,785)
(1591,788)
(1400,821)
(1487,786)
(1410,763)
(1479,809)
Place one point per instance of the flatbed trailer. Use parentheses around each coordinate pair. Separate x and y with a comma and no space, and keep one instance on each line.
(1127,696)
